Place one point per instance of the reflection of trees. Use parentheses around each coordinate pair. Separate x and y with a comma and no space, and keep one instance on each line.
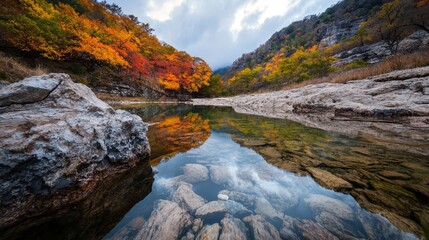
(176,134)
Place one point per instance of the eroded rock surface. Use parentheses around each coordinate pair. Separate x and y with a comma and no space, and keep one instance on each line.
(56,135)
(233,229)
(396,94)
(166,222)
(186,198)
(209,232)
(195,173)
(221,207)
(262,229)
(329,180)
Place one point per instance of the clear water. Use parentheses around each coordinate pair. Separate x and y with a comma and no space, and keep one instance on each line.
(232,148)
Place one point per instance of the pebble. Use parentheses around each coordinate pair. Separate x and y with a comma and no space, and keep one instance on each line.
(222,197)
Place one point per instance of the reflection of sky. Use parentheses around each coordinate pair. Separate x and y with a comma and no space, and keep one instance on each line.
(245,171)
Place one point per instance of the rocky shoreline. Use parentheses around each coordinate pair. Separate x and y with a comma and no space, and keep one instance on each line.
(396,102)
(58,142)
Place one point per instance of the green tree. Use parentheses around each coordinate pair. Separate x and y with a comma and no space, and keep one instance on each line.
(215,88)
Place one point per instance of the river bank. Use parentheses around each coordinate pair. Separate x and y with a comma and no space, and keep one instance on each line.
(395,102)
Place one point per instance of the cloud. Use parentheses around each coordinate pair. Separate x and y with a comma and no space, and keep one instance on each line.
(219,31)
(254,14)
(161,10)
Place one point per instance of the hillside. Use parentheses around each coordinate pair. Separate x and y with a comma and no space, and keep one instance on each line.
(350,34)
(97,44)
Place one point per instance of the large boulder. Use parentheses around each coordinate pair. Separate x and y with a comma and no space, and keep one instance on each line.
(57,141)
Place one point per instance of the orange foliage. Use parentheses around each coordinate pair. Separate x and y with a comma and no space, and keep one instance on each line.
(422,3)
(94,32)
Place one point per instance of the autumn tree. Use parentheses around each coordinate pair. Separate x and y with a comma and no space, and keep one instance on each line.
(216,87)
(390,23)
(99,36)
(420,15)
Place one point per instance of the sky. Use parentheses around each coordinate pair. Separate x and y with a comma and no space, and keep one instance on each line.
(219,31)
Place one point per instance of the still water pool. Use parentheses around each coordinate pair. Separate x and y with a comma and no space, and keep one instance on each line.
(223,175)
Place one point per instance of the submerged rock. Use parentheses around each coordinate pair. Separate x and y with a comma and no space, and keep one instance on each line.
(321,203)
(247,200)
(167,221)
(209,232)
(232,229)
(221,207)
(197,224)
(336,226)
(329,180)
(313,231)
(219,174)
(261,228)
(57,141)
(264,208)
(195,173)
(186,198)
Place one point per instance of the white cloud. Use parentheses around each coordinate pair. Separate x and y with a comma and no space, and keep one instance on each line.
(219,31)
(161,11)
(261,10)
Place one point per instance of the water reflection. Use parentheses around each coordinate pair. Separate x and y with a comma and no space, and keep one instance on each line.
(92,217)
(238,162)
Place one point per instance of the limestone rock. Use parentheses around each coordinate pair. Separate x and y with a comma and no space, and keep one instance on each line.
(56,135)
(247,200)
(221,207)
(394,175)
(414,41)
(209,232)
(329,180)
(288,228)
(30,90)
(189,236)
(397,95)
(232,229)
(167,221)
(262,229)
(186,198)
(335,225)
(264,208)
(320,203)
(219,174)
(197,224)
(195,173)
(270,152)
(314,231)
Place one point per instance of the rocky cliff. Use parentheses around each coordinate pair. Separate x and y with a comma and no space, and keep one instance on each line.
(336,24)
(58,141)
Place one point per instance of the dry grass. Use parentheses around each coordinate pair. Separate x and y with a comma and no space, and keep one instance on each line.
(11,70)
(396,62)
